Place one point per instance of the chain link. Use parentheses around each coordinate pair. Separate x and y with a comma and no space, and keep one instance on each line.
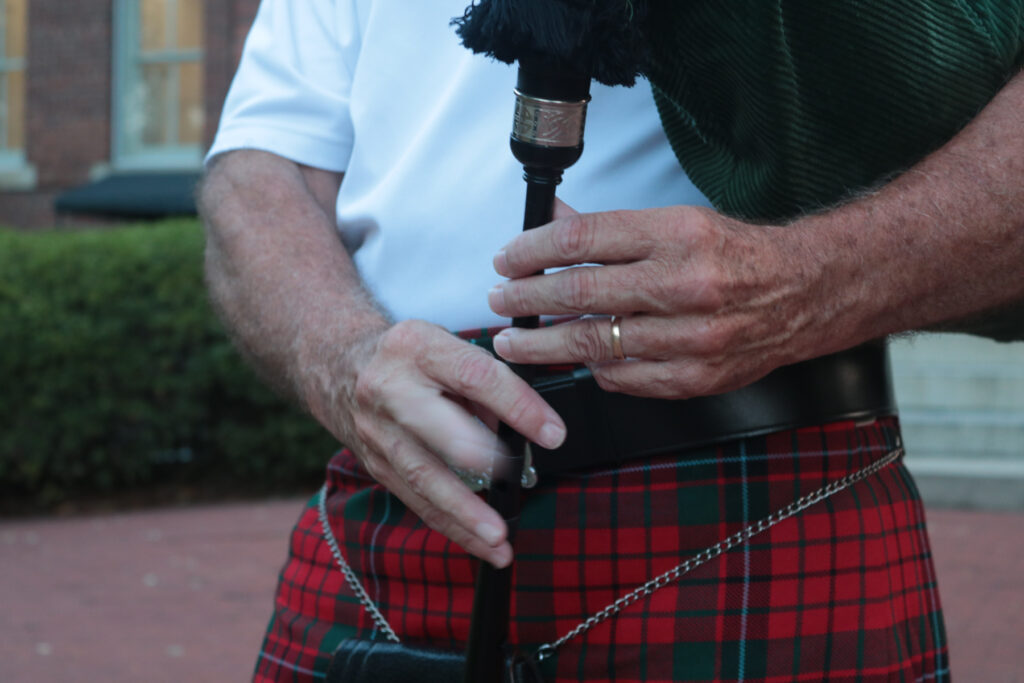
(657,583)
(350,577)
(741,536)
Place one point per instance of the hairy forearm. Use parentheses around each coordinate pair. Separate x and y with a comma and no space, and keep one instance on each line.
(942,245)
(280,277)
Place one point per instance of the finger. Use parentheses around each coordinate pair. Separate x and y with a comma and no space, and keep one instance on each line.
(478,376)
(610,237)
(680,378)
(445,427)
(489,419)
(576,291)
(652,379)
(589,340)
(443,502)
(485,416)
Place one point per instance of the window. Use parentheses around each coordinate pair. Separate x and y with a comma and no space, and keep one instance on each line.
(159,113)
(12,82)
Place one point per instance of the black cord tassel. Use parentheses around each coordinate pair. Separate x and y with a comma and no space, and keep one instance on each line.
(603,38)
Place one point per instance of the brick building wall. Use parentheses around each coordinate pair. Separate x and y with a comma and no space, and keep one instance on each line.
(69,95)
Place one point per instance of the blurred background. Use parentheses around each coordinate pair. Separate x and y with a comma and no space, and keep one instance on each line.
(148,479)
(105,100)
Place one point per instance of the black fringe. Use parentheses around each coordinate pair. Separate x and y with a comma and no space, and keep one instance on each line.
(604,38)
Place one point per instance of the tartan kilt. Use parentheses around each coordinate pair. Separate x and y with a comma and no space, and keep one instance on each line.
(843,591)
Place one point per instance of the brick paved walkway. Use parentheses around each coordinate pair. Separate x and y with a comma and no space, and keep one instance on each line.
(183,595)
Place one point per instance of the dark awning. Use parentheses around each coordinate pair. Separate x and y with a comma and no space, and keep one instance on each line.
(134,195)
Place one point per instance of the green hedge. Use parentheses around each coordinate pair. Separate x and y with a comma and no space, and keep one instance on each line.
(116,375)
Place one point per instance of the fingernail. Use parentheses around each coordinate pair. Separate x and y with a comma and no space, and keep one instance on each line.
(551,435)
(490,534)
(501,262)
(503,557)
(502,343)
(496,298)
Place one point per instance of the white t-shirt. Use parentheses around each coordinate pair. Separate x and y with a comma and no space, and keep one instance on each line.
(384,91)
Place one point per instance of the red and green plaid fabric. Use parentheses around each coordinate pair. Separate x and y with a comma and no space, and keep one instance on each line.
(844,591)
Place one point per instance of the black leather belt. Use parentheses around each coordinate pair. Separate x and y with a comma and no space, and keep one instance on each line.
(605,428)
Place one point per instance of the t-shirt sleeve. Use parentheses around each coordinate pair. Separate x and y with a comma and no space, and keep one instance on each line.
(290,95)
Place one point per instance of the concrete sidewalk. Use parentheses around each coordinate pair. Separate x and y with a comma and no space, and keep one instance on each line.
(184,594)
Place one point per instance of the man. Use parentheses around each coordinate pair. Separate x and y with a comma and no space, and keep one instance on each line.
(344,292)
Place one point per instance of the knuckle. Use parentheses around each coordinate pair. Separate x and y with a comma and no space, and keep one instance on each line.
(708,289)
(580,289)
(648,386)
(658,288)
(372,388)
(436,518)
(417,475)
(586,344)
(665,386)
(368,389)
(574,238)
(472,372)
(402,336)
(709,339)
(701,227)
(607,381)
(376,468)
(678,380)
(695,379)
(364,429)
(519,410)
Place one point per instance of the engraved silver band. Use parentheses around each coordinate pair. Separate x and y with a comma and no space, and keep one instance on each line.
(549,123)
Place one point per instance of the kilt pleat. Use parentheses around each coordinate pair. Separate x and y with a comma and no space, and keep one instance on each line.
(843,591)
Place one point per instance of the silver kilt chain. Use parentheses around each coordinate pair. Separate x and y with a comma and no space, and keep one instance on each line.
(657,583)
(350,576)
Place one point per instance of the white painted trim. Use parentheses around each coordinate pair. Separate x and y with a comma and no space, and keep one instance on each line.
(169,159)
(11,160)
(125,57)
(100,171)
(17,175)
(18,179)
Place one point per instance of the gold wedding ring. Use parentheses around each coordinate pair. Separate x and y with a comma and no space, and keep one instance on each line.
(617,353)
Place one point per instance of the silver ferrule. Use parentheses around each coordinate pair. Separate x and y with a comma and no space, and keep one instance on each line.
(549,123)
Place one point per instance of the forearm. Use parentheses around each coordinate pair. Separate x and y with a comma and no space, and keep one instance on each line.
(942,245)
(280,277)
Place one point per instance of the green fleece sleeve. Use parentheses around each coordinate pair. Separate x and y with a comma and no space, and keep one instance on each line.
(777,108)
(780,107)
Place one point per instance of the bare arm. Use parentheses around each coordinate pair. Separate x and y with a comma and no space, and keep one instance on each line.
(271,240)
(715,303)
(947,236)
(401,396)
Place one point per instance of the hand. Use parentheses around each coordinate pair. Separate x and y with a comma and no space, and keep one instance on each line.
(411,413)
(708,303)
(402,397)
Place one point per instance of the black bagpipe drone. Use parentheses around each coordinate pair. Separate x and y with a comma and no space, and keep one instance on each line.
(560,46)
